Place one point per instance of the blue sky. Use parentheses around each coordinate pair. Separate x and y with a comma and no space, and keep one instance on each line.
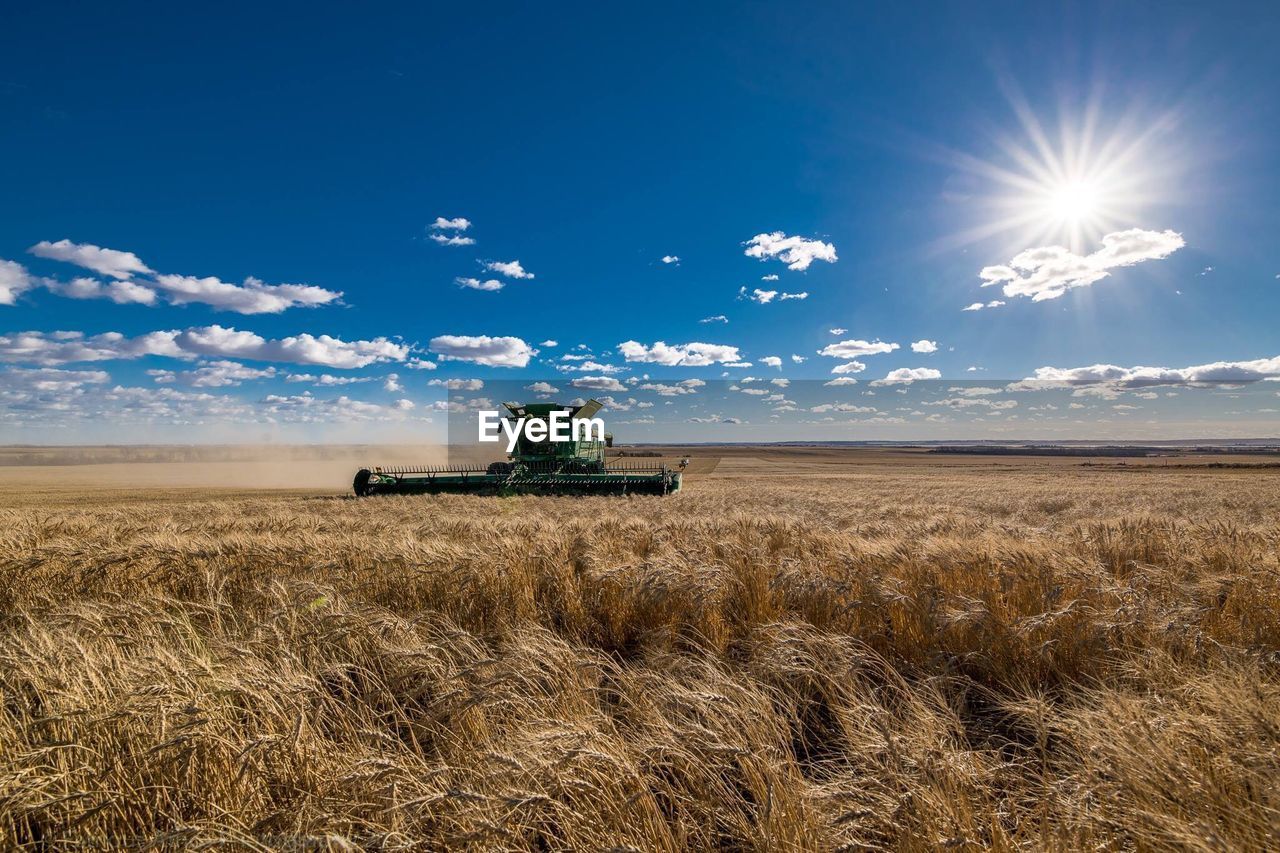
(898,152)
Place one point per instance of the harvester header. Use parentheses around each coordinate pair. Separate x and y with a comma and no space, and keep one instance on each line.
(539,462)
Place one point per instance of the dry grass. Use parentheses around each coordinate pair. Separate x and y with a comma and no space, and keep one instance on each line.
(914,658)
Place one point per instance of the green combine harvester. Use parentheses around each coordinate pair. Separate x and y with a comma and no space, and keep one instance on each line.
(542,467)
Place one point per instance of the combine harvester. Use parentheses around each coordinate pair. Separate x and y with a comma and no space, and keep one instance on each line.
(575,467)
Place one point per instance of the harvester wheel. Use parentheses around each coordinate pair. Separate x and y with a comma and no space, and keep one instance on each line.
(361,483)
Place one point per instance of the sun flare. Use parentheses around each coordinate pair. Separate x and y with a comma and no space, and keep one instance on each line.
(1064,182)
(1075,202)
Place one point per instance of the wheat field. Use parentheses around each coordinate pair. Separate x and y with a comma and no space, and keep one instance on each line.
(881,656)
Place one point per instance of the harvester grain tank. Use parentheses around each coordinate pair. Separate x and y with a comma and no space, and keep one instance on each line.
(574,467)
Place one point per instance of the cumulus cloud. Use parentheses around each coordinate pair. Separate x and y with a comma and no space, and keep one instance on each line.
(598,383)
(801,295)
(678,389)
(108,262)
(1217,371)
(909,374)
(452,239)
(796,252)
(326,379)
(670,259)
(973,402)
(483,349)
(763,297)
(855,348)
(973,306)
(1050,271)
(718,318)
(849,367)
(848,408)
(924,346)
(798,359)
(542,388)
(679,355)
(837,331)
(491,284)
(458,384)
(771,361)
(119,292)
(549,343)
(843,380)
(511,269)
(460,223)
(213,374)
(14,280)
(52,348)
(773,276)
(252,297)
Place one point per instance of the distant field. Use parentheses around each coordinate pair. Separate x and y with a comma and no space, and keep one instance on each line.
(806,649)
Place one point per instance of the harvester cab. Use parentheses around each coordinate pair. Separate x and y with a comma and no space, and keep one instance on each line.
(572,465)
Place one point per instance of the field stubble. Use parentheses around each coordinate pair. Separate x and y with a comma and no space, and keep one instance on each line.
(901,658)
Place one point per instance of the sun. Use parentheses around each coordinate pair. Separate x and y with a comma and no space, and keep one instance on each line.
(1074,203)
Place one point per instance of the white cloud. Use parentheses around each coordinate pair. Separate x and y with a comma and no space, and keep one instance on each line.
(798,359)
(108,262)
(909,374)
(392,383)
(420,364)
(670,259)
(476,284)
(796,252)
(49,380)
(460,223)
(995,303)
(549,343)
(1050,271)
(973,306)
(843,380)
(50,348)
(1218,371)
(855,348)
(14,280)
(253,297)
(679,355)
(598,383)
(718,318)
(452,239)
(326,379)
(681,388)
(801,295)
(976,391)
(843,407)
(483,349)
(119,292)
(213,341)
(214,374)
(771,361)
(763,297)
(298,349)
(849,367)
(542,388)
(924,346)
(837,331)
(458,384)
(973,402)
(511,269)
(773,276)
